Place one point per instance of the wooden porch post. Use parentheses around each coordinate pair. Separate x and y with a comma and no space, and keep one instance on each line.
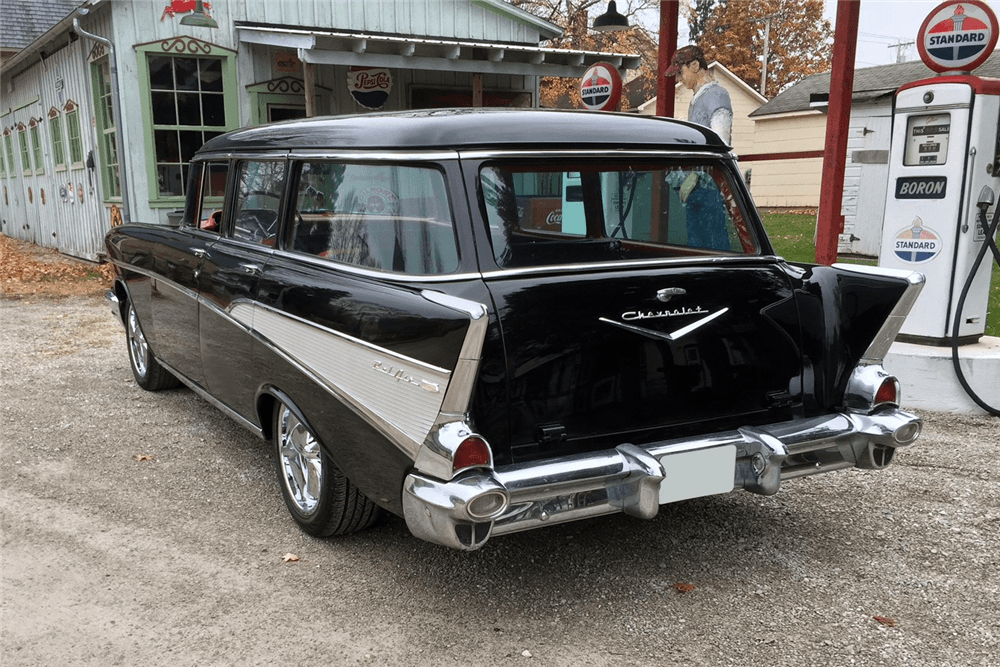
(309,79)
(477,90)
(669,13)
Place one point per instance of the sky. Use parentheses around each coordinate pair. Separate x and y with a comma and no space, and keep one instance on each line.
(884,23)
(881,25)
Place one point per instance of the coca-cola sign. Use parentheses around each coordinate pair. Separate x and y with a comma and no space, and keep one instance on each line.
(370,86)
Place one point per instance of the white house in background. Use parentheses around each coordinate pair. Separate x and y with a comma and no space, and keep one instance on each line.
(744,98)
(790,135)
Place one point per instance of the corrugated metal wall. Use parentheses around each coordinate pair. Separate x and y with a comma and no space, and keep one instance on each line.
(60,209)
(76,226)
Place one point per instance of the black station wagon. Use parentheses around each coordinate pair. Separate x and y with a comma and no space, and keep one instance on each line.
(490,321)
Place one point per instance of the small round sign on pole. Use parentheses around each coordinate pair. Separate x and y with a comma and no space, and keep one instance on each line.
(601,87)
(957,36)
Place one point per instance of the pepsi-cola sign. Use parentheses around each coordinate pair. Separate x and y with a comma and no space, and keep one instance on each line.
(369,86)
(601,87)
(958,35)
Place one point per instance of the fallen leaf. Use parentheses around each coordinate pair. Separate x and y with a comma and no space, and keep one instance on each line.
(143,457)
(885,620)
(683,588)
(290,558)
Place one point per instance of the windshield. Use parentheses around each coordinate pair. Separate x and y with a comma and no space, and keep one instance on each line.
(558,213)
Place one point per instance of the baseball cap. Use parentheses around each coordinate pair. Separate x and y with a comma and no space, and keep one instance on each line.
(683,56)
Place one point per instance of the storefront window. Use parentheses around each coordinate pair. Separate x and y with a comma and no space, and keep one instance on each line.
(189,100)
(58,145)
(106,130)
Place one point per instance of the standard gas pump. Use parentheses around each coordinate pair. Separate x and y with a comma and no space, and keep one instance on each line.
(945,154)
(941,216)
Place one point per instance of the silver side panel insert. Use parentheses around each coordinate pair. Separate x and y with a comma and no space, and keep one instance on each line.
(400,396)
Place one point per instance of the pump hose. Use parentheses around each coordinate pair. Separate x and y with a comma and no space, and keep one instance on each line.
(990,244)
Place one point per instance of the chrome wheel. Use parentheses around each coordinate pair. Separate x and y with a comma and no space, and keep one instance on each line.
(137,344)
(300,462)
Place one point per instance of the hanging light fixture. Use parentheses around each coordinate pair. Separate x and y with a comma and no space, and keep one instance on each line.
(610,20)
(198,18)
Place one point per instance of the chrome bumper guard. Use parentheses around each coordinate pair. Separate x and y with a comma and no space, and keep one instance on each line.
(629,478)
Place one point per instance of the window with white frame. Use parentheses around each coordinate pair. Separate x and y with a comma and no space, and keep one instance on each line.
(74,135)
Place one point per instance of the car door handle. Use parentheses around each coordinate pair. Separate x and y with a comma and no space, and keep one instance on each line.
(200,253)
(250,269)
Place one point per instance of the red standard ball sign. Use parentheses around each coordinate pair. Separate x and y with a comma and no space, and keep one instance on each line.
(958,35)
(601,87)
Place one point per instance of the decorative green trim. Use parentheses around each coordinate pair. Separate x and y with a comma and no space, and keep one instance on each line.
(185,47)
(35,130)
(22,143)
(75,138)
(8,142)
(107,146)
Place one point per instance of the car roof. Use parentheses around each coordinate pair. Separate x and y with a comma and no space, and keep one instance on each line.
(472,129)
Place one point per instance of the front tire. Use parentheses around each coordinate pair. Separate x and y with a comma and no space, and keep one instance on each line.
(319,496)
(148,372)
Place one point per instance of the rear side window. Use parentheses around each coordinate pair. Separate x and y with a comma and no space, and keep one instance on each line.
(209,184)
(258,201)
(546,214)
(393,218)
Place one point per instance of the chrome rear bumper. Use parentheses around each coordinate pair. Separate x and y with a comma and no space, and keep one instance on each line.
(634,479)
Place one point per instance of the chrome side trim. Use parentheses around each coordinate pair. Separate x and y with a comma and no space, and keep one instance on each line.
(879,347)
(398,395)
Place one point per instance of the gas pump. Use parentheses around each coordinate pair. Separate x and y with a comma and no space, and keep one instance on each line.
(940,214)
(944,154)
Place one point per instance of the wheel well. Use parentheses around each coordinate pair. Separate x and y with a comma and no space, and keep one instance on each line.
(265,413)
(123,299)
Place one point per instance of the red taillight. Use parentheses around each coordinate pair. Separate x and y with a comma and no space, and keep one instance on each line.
(888,392)
(472,452)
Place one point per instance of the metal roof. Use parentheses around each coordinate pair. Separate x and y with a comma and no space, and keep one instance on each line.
(24,22)
(869,83)
(332,47)
(455,129)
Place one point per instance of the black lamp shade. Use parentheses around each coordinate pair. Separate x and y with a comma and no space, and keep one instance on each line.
(610,20)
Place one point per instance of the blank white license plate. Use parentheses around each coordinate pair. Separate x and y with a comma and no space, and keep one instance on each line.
(702,472)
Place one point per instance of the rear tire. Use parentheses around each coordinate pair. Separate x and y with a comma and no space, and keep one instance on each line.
(319,496)
(148,372)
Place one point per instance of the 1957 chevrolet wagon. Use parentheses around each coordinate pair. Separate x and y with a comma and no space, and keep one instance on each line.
(490,321)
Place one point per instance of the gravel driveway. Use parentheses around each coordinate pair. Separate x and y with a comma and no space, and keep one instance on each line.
(148,529)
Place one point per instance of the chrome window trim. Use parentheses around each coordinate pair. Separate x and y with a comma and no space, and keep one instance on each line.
(360,155)
(482,154)
(632,264)
(370,273)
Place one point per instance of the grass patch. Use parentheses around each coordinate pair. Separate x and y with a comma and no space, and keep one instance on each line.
(792,237)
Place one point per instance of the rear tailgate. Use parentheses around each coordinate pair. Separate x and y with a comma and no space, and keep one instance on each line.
(632,355)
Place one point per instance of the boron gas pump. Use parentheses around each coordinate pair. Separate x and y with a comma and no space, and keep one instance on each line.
(944,179)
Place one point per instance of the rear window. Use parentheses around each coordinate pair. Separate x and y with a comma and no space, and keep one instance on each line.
(558,213)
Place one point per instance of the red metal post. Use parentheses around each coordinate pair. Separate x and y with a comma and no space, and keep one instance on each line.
(669,13)
(830,224)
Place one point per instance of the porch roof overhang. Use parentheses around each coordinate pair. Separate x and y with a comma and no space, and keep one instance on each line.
(328,47)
